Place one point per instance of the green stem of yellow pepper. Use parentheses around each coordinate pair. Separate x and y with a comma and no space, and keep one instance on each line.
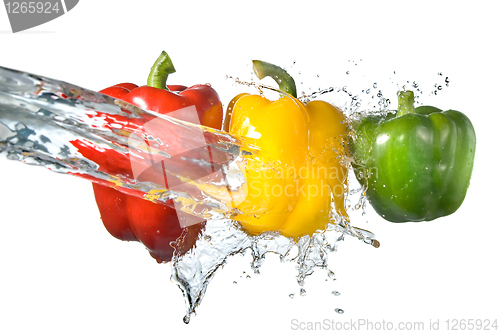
(286,83)
(406,101)
(160,70)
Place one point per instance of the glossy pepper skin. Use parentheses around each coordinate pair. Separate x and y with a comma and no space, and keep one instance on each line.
(299,165)
(416,164)
(131,218)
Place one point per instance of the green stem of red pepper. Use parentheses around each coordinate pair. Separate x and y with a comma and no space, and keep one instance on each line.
(282,78)
(406,101)
(162,67)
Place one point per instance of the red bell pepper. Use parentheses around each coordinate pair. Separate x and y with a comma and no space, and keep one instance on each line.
(132,218)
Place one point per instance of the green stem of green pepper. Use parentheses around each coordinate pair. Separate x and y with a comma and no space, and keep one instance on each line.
(282,78)
(406,103)
(162,67)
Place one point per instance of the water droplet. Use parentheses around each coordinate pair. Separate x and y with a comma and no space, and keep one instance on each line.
(186,318)
(339,311)
(234,282)
(331,274)
(291,295)
(335,293)
(347,72)
(303,292)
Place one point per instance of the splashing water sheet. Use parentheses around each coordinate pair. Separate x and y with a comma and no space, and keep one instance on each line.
(44,122)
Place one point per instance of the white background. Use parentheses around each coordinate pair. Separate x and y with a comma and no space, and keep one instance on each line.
(61,272)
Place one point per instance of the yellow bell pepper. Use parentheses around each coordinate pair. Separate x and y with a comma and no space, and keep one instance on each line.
(297,182)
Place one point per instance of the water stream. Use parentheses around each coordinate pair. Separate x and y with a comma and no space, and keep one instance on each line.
(53,124)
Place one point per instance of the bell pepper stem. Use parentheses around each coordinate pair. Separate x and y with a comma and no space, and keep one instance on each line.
(282,78)
(162,67)
(406,101)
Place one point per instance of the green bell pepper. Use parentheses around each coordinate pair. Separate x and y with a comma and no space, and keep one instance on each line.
(416,163)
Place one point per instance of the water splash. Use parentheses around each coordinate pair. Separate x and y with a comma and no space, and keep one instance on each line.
(46,122)
(193,270)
